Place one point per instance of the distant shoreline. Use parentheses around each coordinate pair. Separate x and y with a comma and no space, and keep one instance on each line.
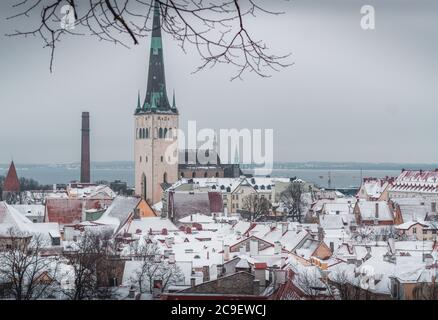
(311,165)
(340,175)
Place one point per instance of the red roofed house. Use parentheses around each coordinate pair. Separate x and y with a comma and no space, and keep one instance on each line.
(11,186)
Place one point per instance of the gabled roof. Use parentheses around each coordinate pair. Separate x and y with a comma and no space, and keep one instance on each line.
(11,184)
(119,212)
(10,218)
(368,210)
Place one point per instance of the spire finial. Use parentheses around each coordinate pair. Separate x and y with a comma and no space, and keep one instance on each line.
(174,100)
(236,156)
(138,101)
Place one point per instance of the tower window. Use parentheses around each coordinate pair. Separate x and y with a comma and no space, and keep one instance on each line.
(162,159)
(140,158)
(160,133)
(165,177)
(194,174)
(205,175)
(217,174)
(182,175)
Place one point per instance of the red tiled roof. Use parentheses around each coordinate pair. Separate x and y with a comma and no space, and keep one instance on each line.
(11,184)
(69,211)
(260,266)
(216,202)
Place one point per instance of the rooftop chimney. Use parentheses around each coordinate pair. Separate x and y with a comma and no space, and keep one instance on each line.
(277,247)
(253,247)
(320,233)
(284,227)
(226,252)
(85,148)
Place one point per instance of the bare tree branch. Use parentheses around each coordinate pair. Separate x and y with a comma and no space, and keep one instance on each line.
(217,29)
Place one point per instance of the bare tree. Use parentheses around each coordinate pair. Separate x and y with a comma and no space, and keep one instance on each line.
(154,268)
(292,199)
(347,286)
(25,273)
(88,261)
(216,29)
(257,206)
(310,283)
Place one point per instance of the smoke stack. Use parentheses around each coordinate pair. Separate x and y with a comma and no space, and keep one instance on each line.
(85,148)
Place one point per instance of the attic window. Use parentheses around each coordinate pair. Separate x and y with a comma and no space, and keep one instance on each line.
(56,241)
(197,257)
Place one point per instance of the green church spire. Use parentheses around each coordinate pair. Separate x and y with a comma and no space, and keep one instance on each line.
(236,156)
(156,94)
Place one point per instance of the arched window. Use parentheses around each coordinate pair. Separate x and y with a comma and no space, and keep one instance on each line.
(194,174)
(165,177)
(144,133)
(182,174)
(143,186)
(217,175)
(205,174)
(165,133)
(160,133)
(139,134)
(147,133)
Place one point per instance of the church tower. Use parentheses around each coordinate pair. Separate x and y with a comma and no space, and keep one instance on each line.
(156,124)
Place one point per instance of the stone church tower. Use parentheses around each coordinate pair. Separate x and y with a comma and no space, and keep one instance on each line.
(156,124)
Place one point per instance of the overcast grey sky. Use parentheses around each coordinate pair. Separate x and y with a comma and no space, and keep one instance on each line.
(352,95)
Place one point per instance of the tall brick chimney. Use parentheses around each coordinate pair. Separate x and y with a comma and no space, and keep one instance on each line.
(85,148)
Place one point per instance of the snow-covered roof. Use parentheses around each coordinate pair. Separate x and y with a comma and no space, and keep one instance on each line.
(416,181)
(368,210)
(119,212)
(156,224)
(90,191)
(407,225)
(196,218)
(335,208)
(373,187)
(12,219)
(415,208)
(30,210)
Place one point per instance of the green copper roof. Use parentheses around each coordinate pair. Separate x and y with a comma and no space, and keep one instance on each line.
(156,99)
